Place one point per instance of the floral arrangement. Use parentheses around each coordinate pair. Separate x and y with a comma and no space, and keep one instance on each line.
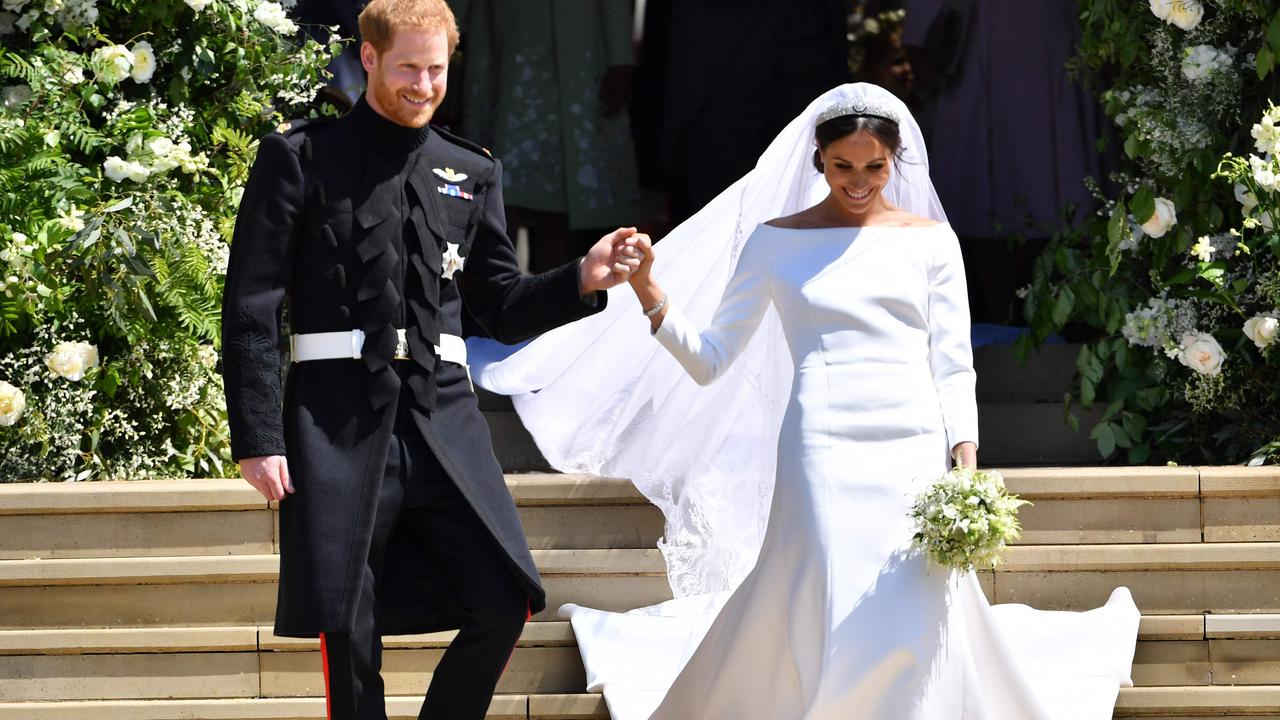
(966,519)
(127,130)
(1175,282)
(866,23)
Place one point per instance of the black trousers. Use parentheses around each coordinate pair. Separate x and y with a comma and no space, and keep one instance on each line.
(416,489)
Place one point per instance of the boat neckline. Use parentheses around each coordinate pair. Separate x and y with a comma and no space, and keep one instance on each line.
(862,227)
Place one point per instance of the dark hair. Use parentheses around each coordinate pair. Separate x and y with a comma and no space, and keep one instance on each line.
(885,131)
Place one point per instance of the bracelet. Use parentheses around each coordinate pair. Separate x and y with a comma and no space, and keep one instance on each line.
(656,308)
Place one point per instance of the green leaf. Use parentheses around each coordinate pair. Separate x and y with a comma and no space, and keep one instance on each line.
(1104,434)
(1062,306)
(1131,143)
(1143,205)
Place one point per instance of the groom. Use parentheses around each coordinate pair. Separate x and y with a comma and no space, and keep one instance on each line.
(375,230)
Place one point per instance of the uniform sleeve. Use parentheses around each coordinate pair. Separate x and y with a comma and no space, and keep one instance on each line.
(513,307)
(257,278)
(950,348)
(706,355)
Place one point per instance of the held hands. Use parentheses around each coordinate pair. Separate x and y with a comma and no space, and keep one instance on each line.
(610,261)
(269,474)
(966,455)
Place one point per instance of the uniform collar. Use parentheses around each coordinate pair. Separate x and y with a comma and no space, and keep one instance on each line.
(385,133)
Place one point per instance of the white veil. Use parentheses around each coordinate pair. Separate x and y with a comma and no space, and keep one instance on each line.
(600,396)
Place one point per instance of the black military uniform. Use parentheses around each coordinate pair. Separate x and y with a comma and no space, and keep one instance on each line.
(401,521)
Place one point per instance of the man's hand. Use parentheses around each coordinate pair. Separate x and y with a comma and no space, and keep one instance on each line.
(609,262)
(269,474)
(966,455)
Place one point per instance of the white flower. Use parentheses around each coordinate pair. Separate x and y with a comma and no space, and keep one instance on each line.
(71,360)
(1248,201)
(1162,219)
(1201,352)
(1262,329)
(208,356)
(72,219)
(1266,135)
(12,404)
(144,62)
(451,261)
(273,16)
(1203,249)
(16,96)
(74,75)
(1185,14)
(115,168)
(871,25)
(1263,172)
(1201,61)
(198,5)
(119,170)
(111,63)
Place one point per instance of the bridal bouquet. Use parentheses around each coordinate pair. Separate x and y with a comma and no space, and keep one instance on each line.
(966,518)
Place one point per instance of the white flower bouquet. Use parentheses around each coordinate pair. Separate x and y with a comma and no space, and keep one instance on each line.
(966,518)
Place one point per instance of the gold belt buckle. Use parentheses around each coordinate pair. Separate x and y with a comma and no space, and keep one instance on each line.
(402,346)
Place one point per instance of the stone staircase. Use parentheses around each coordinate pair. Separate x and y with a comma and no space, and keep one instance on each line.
(153,600)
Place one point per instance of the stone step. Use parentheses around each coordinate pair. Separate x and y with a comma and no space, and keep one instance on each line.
(241,589)
(225,517)
(249,662)
(1175,703)
(1169,578)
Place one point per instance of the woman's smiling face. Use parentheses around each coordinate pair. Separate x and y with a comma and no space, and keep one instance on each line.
(856,168)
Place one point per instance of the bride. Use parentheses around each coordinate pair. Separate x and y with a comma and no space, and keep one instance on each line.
(838,330)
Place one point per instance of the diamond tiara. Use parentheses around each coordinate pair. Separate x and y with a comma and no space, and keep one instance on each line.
(859,109)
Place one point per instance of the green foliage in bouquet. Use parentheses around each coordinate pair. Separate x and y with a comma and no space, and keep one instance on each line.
(1176,277)
(126,134)
(966,519)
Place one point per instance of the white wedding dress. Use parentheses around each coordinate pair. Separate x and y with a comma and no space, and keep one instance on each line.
(846,351)
(839,619)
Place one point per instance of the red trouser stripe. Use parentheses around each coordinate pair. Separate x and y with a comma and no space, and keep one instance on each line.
(324,660)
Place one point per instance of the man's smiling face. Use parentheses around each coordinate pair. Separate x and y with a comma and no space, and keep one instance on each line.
(407,81)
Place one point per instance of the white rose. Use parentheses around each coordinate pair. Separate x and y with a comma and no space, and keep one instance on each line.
(1161,8)
(1185,14)
(136,171)
(1202,353)
(273,16)
(144,62)
(12,404)
(74,75)
(112,63)
(1164,218)
(115,168)
(160,146)
(1262,329)
(198,5)
(70,360)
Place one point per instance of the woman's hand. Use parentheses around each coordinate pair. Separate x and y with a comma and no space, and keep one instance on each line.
(965,454)
(640,247)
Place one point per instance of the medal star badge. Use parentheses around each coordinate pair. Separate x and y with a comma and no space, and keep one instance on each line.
(451,261)
(449,175)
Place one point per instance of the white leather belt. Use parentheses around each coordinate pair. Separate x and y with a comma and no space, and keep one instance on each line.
(348,343)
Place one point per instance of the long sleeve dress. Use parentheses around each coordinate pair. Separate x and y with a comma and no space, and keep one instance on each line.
(839,618)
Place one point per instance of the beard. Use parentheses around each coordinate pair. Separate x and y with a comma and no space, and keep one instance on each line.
(396,109)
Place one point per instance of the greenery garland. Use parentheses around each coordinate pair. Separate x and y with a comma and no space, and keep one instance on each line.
(126,134)
(1176,280)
